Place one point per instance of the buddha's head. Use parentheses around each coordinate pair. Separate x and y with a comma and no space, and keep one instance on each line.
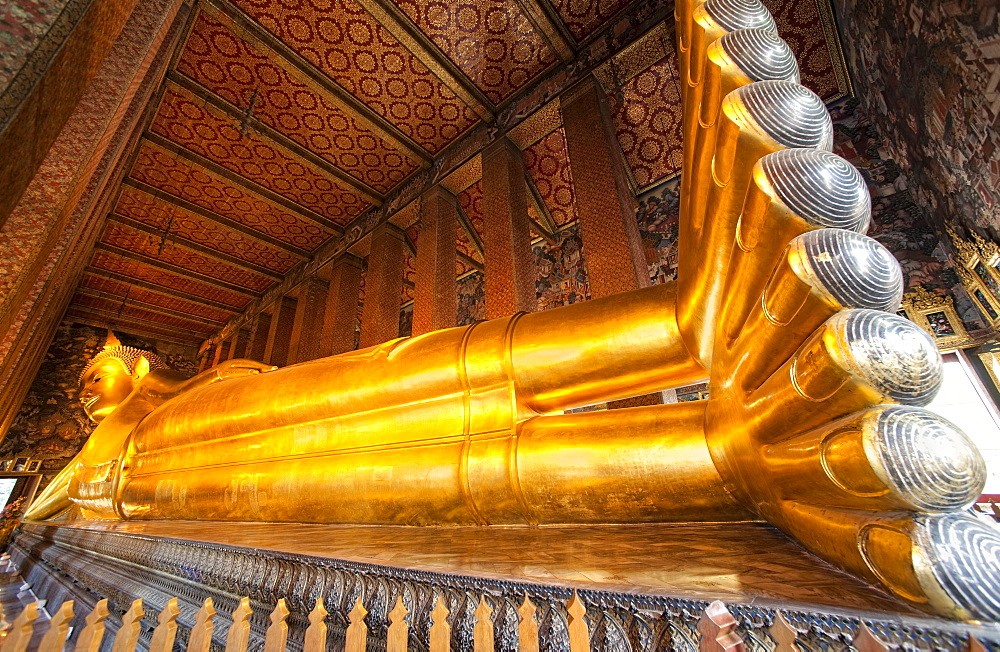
(111,376)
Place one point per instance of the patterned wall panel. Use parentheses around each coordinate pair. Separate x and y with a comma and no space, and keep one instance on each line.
(548,164)
(146,208)
(131,311)
(127,238)
(235,69)
(492,42)
(191,123)
(163,170)
(807,26)
(143,295)
(342,40)
(133,269)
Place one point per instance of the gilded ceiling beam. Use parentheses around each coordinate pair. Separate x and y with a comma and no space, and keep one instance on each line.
(194,246)
(352,105)
(423,48)
(173,269)
(185,205)
(546,22)
(148,306)
(159,289)
(471,262)
(204,94)
(243,182)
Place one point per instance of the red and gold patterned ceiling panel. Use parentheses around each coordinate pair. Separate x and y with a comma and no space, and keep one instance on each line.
(234,69)
(648,122)
(146,208)
(135,312)
(130,326)
(491,41)
(583,17)
(191,123)
(134,269)
(144,295)
(342,40)
(164,171)
(547,163)
(802,27)
(125,237)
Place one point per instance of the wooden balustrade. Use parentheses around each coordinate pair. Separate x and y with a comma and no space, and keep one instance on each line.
(34,629)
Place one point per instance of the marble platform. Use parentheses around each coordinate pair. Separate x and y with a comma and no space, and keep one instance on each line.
(625,574)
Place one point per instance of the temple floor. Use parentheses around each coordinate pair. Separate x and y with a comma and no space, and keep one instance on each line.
(733,562)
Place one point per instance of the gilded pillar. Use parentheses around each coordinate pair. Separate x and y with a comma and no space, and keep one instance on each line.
(384,285)
(308,326)
(605,203)
(279,336)
(258,337)
(509,270)
(435,301)
(341,305)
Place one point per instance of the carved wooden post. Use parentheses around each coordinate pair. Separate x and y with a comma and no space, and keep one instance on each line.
(277,632)
(866,641)
(90,638)
(482,634)
(20,632)
(239,632)
(717,627)
(783,634)
(166,628)
(200,638)
(55,639)
(527,629)
(397,638)
(128,636)
(440,629)
(316,632)
(579,636)
(357,631)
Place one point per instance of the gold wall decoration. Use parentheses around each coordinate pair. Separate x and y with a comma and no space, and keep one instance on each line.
(977,267)
(936,315)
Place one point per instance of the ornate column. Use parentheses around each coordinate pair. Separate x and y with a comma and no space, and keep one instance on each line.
(341,305)
(308,326)
(604,201)
(221,352)
(435,301)
(509,270)
(384,284)
(258,337)
(279,336)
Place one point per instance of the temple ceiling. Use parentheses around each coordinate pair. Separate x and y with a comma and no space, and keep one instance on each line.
(281,126)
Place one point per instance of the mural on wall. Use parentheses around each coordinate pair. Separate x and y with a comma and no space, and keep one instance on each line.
(406,320)
(657,215)
(561,270)
(898,222)
(928,74)
(471,299)
(51,424)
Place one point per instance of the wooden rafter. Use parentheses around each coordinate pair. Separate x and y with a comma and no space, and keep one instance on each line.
(173,269)
(547,227)
(142,328)
(194,246)
(470,231)
(342,98)
(153,287)
(243,182)
(150,307)
(185,205)
(546,22)
(204,94)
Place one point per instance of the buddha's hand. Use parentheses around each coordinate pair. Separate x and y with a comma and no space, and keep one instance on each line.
(815,419)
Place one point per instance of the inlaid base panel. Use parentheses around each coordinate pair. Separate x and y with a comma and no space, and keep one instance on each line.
(653,578)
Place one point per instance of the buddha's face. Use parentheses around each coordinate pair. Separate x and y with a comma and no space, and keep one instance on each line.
(104,387)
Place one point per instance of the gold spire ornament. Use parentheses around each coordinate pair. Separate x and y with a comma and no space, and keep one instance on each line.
(814,422)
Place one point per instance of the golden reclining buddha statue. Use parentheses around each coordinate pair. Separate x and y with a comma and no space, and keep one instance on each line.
(814,421)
